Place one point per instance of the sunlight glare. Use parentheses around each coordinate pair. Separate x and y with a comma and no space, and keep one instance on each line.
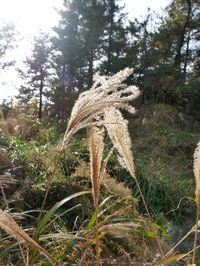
(30,15)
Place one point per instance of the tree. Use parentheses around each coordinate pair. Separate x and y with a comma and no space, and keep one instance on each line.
(6,107)
(36,74)
(79,38)
(115,39)
(7,42)
(78,44)
(90,37)
(183,23)
(166,52)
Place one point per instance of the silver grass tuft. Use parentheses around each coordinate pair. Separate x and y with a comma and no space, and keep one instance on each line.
(106,92)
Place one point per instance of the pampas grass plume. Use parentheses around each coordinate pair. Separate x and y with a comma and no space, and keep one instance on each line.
(197,172)
(103,94)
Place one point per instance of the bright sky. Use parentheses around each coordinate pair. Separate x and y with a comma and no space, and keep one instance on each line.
(138,8)
(31,15)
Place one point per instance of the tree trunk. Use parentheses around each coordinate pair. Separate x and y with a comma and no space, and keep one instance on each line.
(40,99)
(91,49)
(110,36)
(90,69)
(186,55)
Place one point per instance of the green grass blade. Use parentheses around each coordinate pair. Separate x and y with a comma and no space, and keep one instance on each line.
(42,224)
(58,216)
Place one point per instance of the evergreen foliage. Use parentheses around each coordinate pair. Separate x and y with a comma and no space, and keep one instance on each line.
(36,75)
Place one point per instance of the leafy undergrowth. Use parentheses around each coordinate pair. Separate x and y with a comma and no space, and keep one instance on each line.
(72,229)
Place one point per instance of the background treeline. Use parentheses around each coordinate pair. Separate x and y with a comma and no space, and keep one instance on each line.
(97,37)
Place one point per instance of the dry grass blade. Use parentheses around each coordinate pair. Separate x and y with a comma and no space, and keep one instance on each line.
(6,179)
(120,230)
(176,245)
(103,94)
(13,229)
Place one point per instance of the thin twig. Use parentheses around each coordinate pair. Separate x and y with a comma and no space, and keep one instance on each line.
(4,197)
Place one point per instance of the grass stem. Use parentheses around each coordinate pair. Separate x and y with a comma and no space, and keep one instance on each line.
(196,235)
(97,235)
(148,213)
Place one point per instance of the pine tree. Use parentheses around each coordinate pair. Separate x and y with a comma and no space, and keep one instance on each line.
(7,42)
(115,42)
(79,40)
(78,49)
(36,74)
(165,52)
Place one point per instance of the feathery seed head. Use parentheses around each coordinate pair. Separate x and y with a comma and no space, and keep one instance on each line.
(117,129)
(96,146)
(197,172)
(106,92)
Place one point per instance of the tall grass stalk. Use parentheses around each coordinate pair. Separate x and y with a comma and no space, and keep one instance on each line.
(23,256)
(103,100)
(197,194)
(94,102)
(176,245)
(96,147)
(197,200)
(92,110)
